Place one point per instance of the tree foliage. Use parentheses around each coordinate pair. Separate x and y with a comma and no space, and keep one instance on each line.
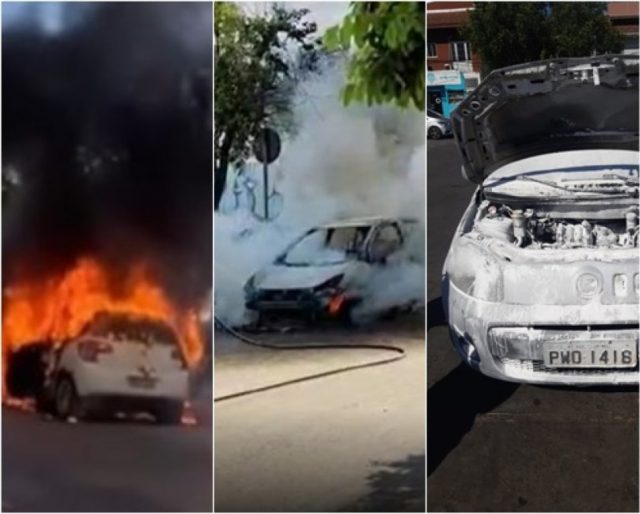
(388,65)
(258,61)
(506,33)
(582,28)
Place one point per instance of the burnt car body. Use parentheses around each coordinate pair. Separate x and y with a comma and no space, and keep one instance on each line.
(540,284)
(324,273)
(118,363)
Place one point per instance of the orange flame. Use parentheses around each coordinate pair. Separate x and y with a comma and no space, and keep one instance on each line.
(335,304)
(59,307)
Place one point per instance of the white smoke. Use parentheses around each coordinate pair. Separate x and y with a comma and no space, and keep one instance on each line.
(343,162)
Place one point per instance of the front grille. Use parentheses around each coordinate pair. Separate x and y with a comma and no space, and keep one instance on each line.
(283,295)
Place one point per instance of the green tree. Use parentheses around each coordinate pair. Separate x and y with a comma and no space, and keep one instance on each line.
(388,65)
(581,28)
(258,62)
(506,33)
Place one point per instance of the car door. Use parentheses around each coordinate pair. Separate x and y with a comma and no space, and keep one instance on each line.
(385,244)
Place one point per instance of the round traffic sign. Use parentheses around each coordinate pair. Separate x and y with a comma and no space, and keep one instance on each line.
(267,145)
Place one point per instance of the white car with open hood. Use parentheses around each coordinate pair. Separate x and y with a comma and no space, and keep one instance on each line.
(119,363)
(540,283)
(325,272)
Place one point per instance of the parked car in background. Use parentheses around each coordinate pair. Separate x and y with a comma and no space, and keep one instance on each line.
(541,280)
(437,125)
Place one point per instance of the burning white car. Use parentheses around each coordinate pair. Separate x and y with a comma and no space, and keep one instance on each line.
(541,281)
(325,272)
(120,362)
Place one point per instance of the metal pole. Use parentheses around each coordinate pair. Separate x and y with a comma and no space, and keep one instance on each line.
(265,165)
(265,174)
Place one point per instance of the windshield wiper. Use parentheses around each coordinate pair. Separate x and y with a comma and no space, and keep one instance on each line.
(627,179)
(546,183)
(626,188)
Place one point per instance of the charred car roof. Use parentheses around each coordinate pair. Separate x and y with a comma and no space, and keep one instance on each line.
(548,106)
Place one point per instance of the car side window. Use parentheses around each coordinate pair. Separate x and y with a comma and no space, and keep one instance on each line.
(387,240)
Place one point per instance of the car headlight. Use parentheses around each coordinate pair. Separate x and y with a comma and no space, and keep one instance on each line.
(328,285)
(475,272)
(250,286)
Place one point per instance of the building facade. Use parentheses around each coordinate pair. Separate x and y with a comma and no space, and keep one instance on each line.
(453,69)
(624,16)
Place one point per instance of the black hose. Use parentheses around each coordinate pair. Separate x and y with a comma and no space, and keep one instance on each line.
(399,354)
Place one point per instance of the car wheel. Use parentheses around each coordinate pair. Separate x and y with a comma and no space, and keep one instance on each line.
(66,400)
(435,133)
(346,315)
(169,412)
(44,402)
(391,314)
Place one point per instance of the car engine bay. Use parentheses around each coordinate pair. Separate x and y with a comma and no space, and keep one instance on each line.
(536,229)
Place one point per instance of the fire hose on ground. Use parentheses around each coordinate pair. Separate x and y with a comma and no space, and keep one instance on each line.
(398,352)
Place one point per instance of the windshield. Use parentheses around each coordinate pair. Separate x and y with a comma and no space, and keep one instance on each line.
(126,328)
(434,114)
(327,246)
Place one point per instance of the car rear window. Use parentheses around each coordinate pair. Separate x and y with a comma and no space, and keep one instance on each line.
(124,328)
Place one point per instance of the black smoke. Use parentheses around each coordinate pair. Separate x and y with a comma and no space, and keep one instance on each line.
(106,135)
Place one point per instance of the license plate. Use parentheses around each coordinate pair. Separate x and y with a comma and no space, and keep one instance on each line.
(591,354)
(142,382)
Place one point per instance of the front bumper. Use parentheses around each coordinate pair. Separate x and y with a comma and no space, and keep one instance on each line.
(104,403)
(471,320)
(282,300)
(293,301)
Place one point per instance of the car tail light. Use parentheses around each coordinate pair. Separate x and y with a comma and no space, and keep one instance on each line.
(176,354)
(90,349)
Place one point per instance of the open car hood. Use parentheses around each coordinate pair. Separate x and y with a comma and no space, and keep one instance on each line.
(548,106)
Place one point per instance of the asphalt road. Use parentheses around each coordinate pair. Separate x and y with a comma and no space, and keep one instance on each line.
(351,441)
(495,446)
(106,467)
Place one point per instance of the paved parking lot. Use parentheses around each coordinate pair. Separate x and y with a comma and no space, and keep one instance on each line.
(495,446)
(351,441)
(111,466)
